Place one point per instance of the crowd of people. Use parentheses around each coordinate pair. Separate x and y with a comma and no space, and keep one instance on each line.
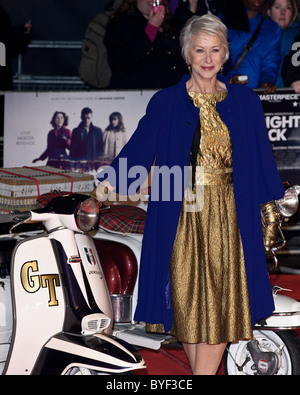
(144,50)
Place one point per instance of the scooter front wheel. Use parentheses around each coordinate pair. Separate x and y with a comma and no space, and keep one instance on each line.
(77,371)
(80,372)
(285,344)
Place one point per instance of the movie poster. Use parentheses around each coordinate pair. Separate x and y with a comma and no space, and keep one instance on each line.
(282,114)
(76,131)
(30,139)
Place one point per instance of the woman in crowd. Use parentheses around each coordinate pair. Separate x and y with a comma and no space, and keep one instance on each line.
(114,136)
(285,14)
(143,47)
(260,65)
(58,140)
(203,274)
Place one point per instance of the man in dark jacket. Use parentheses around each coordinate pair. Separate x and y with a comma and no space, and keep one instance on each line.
(87,141)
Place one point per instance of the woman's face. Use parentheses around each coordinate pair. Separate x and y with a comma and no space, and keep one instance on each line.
(253,5)
(114,122)
(145,6)
(281,13)
(205,55)
(59,120)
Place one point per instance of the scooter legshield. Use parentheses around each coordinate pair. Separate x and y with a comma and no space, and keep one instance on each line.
(100,353)
(5,320)
(94,273)
(38,302)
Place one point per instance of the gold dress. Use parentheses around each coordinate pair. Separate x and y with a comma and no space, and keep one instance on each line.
(209,291)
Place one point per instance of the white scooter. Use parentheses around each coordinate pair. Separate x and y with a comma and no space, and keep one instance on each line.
(275,349)
(55,309)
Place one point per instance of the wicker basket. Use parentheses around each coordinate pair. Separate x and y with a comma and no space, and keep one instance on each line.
(21,186)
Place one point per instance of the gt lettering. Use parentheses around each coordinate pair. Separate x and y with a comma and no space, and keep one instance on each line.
(33,282)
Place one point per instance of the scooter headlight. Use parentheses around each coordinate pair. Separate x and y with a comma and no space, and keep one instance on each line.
(87,215)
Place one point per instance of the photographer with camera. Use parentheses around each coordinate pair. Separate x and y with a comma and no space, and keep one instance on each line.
(143,46)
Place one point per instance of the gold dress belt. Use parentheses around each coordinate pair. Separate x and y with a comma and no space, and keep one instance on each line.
(219,176)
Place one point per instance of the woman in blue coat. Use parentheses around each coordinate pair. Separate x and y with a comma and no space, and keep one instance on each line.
(203,274)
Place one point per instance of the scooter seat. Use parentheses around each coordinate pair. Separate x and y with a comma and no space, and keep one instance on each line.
(45,198)
(123,219)
(118,218)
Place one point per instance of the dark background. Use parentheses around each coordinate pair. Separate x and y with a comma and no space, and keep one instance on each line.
(61,20)
(54,19)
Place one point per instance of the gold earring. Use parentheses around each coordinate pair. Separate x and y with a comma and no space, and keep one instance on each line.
(189,68)
(221,70)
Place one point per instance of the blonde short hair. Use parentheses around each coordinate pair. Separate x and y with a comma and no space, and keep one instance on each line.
(209,24)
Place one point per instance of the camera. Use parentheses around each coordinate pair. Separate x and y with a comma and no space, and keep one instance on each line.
(156,5)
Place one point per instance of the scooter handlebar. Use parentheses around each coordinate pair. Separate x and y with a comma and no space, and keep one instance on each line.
(15,216)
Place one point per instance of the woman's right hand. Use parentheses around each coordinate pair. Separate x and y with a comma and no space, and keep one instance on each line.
(156,18)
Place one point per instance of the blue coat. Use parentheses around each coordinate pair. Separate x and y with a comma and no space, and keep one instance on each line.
(262,62)
(165,135)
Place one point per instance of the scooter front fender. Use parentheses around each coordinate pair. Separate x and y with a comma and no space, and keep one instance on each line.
(285,316)
(99,352)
